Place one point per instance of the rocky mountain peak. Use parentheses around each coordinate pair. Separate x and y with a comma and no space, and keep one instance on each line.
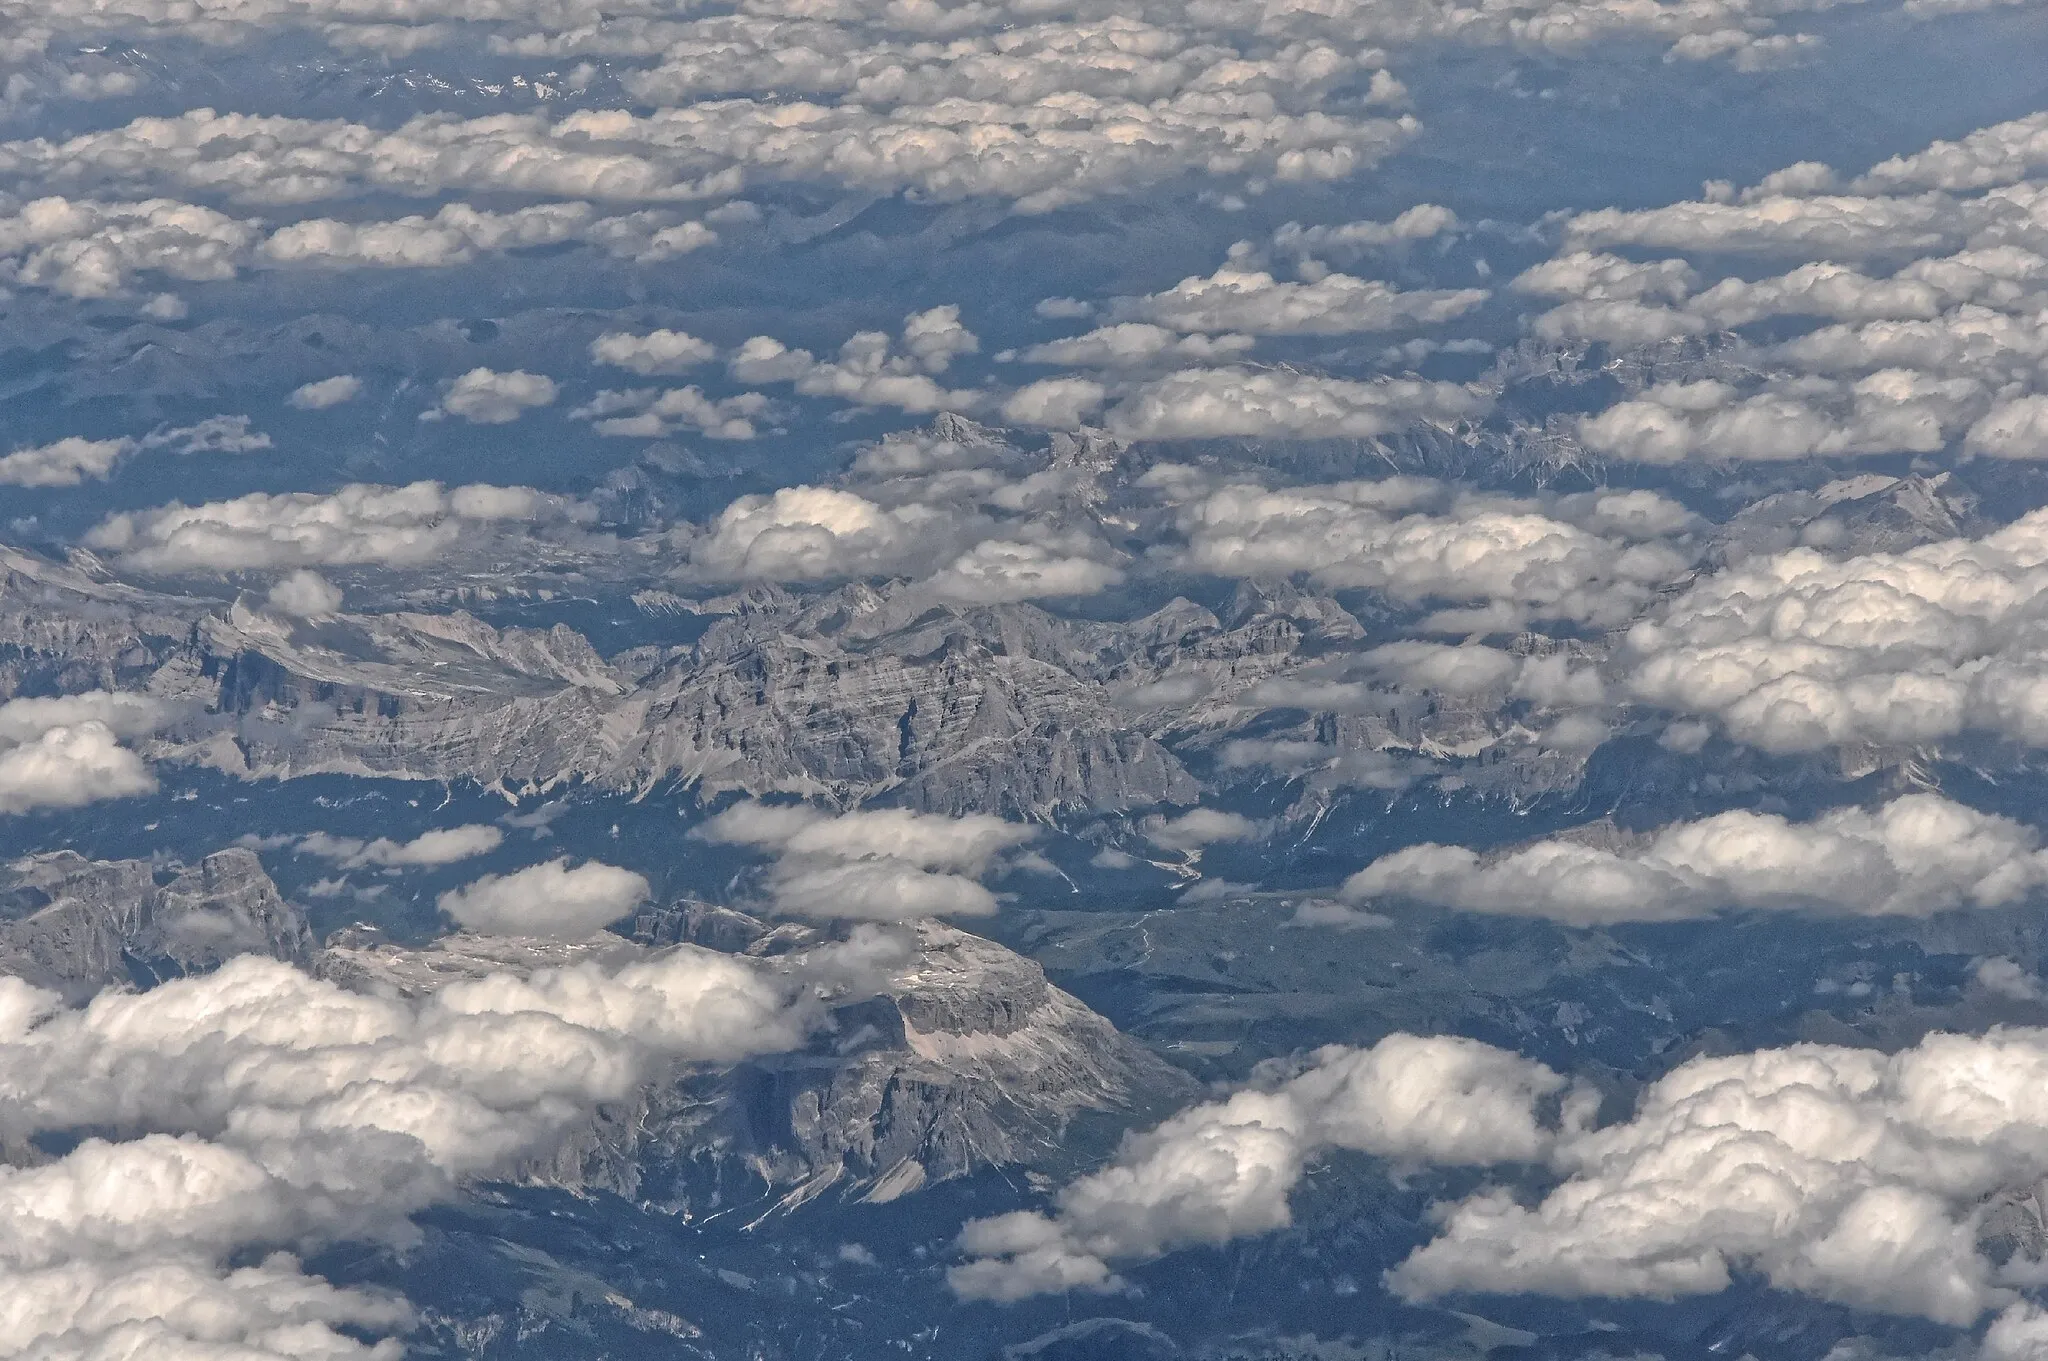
(77,925)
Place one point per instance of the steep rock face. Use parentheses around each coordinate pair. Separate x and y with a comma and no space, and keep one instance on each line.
(65,921)
(222,907)
(64,629)
(966,1058)
(78,925)
(2014,1224)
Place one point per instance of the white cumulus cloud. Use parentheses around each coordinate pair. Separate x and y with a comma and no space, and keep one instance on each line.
(487,397)
(1916,855)
(549,899)
(442,846)
(1226,1169)
(326,392)
(359,524)
(63,463)
(880,864)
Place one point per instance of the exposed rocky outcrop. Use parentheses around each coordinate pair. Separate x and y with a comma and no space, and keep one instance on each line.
(969,1059)
(2014,1225)
(77,925)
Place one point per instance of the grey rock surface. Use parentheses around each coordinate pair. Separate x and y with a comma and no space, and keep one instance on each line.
(77,925)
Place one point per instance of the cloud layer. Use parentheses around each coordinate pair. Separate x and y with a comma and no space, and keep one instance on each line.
(1225,1170)
(1913,856)
(1848,1174)
(1799,650)
(257,1107)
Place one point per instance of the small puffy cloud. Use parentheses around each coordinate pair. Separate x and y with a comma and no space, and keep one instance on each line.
(1063,309)
(811,533)
(936,337)
(1316,694)
(69,767)
(65,463)
(1579,732)
(452,236)
(88,249)
(2000,154)
(998,570)
(1419,223)
(486,397)
(1638,515)
(214,435)
(871,368)
(2001,976)
(1836,226)
(1915,856)
(306,594)
(875,890)
(879,865)
(65,751)
(1168,692)
(1126,344)
(927,840)
(644,413)
(1626,302)
(2014,429)
(2019,1333)
(1515,555)
(93,249)
(442,846)
(459,233)
(1282,404)
(1599,277)
(360,523)
(550,900)
(1628,324)
(1821,289)
(122,713)
(1325,764)
(1252,302)
(1226,1169)
(661,351)
(1061,403)
(1894,411)
(1466,669)
(326,392)
(1462,670)
(1198,827)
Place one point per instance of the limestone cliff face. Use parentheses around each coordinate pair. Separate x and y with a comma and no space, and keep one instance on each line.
(78,925)
(970,1058)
